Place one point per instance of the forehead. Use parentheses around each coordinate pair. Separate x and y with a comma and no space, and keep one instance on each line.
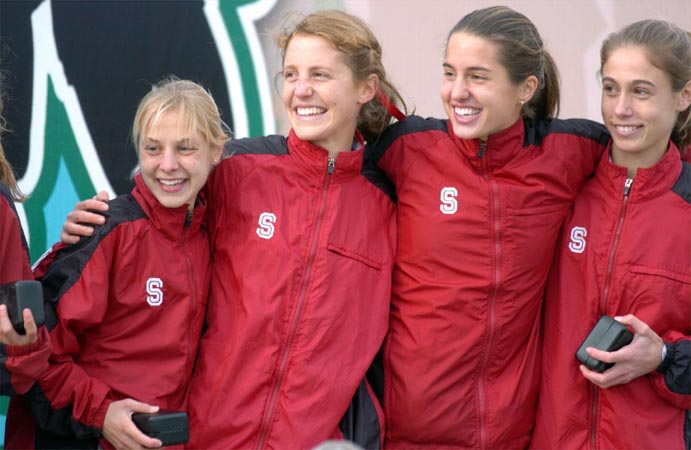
(632,63)
(469,50)
(174,123)
(313,50)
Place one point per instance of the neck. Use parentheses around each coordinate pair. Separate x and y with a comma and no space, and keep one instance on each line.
(638,160)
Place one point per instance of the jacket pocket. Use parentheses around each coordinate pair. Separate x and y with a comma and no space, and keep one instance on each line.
(356,256)
(665,273)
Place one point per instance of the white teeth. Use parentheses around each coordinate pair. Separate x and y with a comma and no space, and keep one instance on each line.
(626,129)
(466,111)
(313,111)
(171,182)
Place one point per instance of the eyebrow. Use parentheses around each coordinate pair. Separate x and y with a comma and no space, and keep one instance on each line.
(471,68)
(156,141)
(634,82)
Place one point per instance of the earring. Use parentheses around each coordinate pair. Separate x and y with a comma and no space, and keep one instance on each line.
(522,102)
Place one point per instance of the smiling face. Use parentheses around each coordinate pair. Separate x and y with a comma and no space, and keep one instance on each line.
(320,94)
(175,161)
(639,107)
(479,97)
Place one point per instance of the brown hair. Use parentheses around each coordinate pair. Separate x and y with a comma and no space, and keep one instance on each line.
(198,108)
(668,48)
(6,174)
(363,54)
(520,51)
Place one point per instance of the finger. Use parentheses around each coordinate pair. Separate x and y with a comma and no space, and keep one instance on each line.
(30,326)
(141,407)
(592,376)
(600,355)
(92,204)
(634,322)
(6,330)
(86,217)
(102,196)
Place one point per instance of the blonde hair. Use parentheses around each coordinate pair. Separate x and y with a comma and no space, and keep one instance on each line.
(198,109)
(6,173)
(362,53)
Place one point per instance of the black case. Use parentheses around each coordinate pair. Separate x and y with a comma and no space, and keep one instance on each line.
(171,427)
(20,295)
(607,335)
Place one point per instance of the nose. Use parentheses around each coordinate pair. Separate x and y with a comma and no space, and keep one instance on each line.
(303,87)
(623,105)
(460,89)
(169,160)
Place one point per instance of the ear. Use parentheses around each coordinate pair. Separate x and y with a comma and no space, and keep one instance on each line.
(528,88)
(368,89)
(217,154)
(684,99)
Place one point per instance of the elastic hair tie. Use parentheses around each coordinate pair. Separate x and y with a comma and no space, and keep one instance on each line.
(386,103)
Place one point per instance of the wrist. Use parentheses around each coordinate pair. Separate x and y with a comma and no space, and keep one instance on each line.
(667,357)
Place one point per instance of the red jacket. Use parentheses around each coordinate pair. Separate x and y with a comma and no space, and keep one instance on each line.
(300,295)
(619,254)
(477,228)
(125,309)
(14,253)
(14,266)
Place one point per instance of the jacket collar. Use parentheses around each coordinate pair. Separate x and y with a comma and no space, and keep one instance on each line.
(649,182)
(500,148)
(171,222)
(314,159)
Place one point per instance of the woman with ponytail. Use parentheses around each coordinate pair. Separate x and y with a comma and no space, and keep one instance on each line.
(481,198)
(625,252)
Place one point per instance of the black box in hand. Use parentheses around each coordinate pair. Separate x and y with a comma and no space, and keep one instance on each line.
(171,427)
(20,295)
(607,335)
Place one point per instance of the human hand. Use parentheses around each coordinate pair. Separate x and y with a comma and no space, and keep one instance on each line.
(8,335)
(120,430)
(73,230)
(643,355)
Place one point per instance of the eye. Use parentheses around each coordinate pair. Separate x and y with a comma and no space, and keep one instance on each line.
(290,75)
(152,149)
(449,74)
(609,89)
(186,149)
(477,78)
(320,75)
(641,92)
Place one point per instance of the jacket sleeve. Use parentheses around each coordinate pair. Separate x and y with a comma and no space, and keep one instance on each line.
(22,365)
(14,253)
(672,380)
(66,400)
(403,143)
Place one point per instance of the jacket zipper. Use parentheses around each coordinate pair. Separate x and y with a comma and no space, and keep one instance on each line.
(298,310)
(190,275)
(496,233)
(603,302)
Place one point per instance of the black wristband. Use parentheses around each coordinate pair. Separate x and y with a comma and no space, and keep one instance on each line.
(669,357)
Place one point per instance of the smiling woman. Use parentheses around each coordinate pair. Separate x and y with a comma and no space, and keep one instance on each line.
(133,293)
(634,219)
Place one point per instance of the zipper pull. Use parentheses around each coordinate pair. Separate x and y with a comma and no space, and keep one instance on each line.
(483,147)
(332,165)
(627,186)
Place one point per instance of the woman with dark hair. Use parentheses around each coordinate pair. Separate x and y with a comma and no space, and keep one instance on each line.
(481,198)
(625,252)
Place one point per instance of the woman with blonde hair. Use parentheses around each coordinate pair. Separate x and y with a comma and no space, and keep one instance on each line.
(125,307)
